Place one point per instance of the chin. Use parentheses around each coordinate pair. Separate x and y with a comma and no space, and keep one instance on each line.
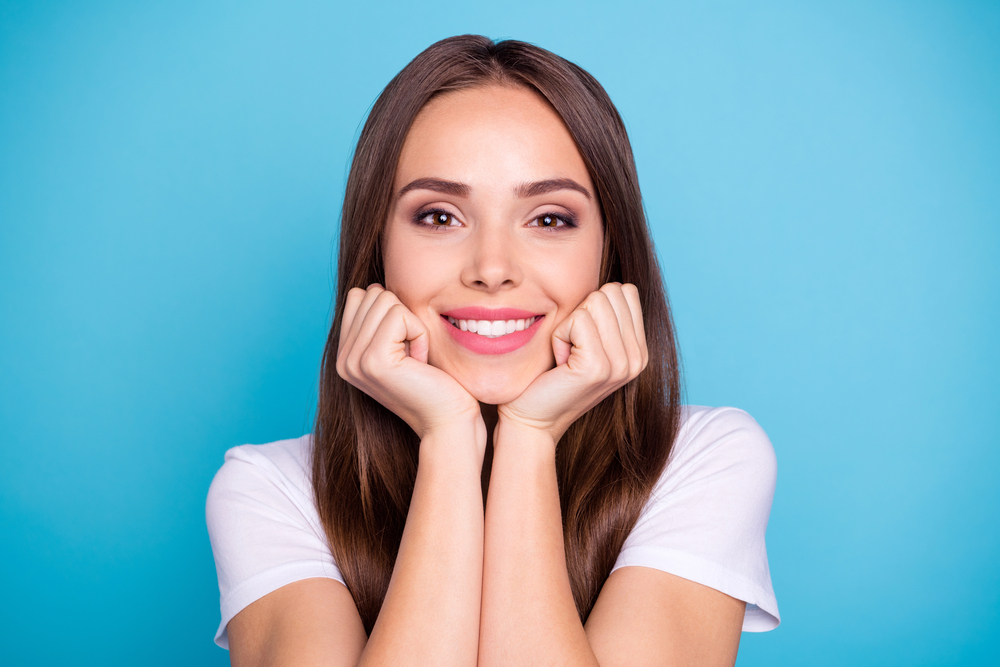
(494,388)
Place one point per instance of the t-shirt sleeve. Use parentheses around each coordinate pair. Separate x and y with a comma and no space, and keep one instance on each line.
(263,526)
(706,517)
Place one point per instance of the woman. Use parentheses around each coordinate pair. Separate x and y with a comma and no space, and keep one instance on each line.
(501,336)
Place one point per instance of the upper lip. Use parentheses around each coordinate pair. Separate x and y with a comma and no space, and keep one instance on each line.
(491,314)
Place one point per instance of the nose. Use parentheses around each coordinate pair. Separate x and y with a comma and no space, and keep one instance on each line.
(492,263)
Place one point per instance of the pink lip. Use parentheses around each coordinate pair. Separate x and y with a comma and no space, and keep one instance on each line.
(482,344)
(491,314)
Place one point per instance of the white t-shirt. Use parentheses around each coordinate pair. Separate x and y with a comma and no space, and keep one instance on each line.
(705,519)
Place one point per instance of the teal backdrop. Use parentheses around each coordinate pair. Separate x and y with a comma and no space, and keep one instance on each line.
(822,180)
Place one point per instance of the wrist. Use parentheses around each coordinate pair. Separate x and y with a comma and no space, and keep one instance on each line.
(458,441)
(532,439)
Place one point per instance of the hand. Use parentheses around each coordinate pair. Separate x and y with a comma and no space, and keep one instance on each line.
(598,348)
(383,352)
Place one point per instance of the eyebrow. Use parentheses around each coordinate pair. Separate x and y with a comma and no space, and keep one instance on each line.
(437,185)
(523,191)
(551,185)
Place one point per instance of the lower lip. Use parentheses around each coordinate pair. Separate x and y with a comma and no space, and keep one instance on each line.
(500,345)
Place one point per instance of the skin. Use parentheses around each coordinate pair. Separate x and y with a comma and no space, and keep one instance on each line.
(473,587)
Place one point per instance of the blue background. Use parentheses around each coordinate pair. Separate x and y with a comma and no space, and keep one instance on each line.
(824,186)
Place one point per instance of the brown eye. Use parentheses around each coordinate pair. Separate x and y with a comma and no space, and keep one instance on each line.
(436,219)
(551,220)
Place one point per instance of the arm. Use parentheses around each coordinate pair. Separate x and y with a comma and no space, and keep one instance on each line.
(430,614)
(642,616)
(529,616)
(649,617)
(309,622)
(431,611)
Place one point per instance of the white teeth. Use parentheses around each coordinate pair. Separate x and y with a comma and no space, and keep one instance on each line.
(494,328)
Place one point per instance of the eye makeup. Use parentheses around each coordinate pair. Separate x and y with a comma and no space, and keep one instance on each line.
(436,215)
(440,218)
(568,220)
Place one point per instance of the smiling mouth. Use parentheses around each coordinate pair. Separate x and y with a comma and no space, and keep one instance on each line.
(493,328)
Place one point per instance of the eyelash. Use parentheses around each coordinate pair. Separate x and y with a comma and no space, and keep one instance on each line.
(425,213)
(566,219)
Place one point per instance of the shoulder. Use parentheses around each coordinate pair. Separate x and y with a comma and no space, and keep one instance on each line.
(263,524)
(707,515)
(719,441)
(258,478)
(282,466)
(722,470)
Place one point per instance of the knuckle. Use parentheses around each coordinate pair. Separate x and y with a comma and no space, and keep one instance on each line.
(367,364)
(353,362)
(346,368)
(604,371)
(386,297)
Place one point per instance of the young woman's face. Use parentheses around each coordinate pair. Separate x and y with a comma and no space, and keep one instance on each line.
(496,226)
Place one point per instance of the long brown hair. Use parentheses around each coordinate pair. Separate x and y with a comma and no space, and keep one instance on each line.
(365,457)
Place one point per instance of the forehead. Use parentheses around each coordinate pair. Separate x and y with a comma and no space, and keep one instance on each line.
(488,134)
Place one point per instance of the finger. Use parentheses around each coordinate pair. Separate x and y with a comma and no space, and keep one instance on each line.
(561,347)
(380,305)
(626,323)
(621,307)
(349,324)
(631,294)
(606,319)
(562,344)
(378,308)
(351,305)
(578,339)
(397,328)
(359,315)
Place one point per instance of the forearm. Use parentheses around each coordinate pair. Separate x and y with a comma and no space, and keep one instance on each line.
(430,614)
(528,612)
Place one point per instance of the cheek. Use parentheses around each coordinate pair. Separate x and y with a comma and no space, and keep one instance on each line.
(580,275)
(402,270)
(410,279)
(584,262)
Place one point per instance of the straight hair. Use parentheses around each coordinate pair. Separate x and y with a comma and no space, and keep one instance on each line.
(607,462)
